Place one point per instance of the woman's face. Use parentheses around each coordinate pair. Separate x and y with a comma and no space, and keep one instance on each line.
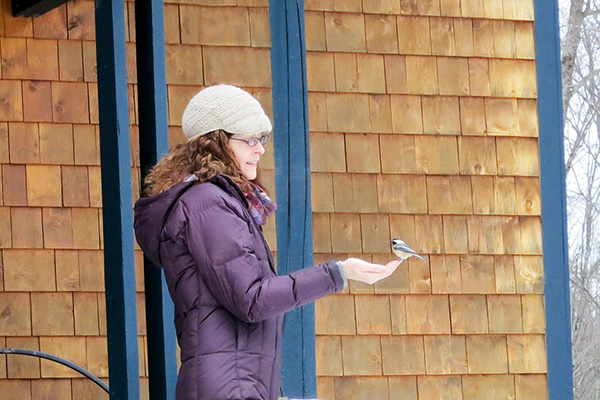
(246,156)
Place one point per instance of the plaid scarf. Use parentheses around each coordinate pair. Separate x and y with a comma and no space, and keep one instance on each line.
(261,205)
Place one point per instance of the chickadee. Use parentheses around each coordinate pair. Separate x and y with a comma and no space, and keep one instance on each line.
(403,251)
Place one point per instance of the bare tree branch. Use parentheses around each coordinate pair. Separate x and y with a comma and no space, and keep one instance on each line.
(581,104)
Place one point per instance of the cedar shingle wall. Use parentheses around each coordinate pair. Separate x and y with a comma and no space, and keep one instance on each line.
(51,265)
(424,126)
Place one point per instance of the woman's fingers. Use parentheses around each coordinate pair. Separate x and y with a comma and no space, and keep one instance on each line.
(381,271)
(375,269)
(384,269)
(394,263)
(363,271)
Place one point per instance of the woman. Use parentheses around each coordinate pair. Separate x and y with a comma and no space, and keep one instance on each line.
(201,222)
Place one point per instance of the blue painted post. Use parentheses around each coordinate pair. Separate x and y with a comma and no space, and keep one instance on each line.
(154,144)
(292,178)
(116,201)
(554,198)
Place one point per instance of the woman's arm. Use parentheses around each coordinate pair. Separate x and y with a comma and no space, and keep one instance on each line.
(221,243)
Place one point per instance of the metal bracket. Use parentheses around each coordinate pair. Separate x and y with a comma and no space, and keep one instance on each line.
(34,8)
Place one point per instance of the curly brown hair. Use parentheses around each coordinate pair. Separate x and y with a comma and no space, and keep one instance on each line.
(205,157)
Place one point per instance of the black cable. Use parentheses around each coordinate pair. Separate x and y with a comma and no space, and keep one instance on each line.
(59,360)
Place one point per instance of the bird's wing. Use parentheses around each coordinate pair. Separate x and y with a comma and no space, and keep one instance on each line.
(403,247)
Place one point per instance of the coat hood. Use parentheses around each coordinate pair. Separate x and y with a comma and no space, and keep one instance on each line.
(150,215)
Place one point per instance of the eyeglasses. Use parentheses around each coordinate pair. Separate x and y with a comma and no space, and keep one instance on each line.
(253,141)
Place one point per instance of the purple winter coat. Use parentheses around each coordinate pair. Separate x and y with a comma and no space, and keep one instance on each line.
(229,302)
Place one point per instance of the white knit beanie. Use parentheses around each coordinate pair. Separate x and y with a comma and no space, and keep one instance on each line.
(224,107)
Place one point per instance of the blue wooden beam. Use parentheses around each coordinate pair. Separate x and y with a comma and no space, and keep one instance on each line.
(154,144)
(292,179)
(554,199)
(116,201)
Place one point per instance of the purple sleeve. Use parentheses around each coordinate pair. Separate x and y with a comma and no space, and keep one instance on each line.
(222,246)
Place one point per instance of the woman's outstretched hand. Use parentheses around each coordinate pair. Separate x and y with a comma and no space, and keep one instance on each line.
(360,270)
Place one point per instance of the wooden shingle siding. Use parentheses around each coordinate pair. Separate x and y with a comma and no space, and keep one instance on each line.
(423,118)
(423,125)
